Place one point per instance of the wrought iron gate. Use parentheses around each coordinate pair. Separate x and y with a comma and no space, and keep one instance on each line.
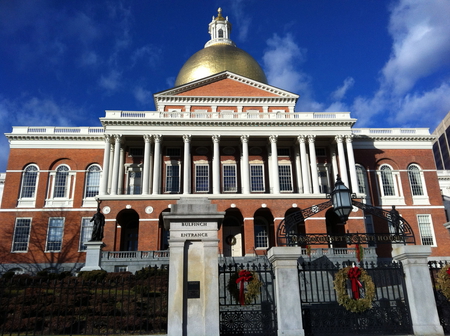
(442,303)
(322,315)
(255,318)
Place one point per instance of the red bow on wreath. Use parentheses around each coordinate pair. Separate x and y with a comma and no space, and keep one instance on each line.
(448,271)
(353,275)
(244,276)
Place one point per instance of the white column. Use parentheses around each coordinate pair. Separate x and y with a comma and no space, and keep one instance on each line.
(216,164)
(287,289)
(146,167)
(298,170)
(187,164)
(245,183)
(121,170)
(115,173)
(422,305)
(342,165)
(157,164)
(312,157)
(111,166)
(275,175)
(351,164)
(304,162)
(334,165)
(105,172)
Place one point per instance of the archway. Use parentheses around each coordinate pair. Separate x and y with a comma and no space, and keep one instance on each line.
(299,228)
(232,235)
(263,229)
(128,219)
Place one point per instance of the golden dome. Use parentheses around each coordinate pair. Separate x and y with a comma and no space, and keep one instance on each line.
(217,58)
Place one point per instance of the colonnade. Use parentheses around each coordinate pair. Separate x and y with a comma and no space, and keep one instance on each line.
(307,170)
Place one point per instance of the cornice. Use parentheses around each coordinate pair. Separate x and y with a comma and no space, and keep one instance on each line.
(224,100)
(229,123)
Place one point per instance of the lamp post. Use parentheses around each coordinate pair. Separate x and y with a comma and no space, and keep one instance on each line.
(341,198)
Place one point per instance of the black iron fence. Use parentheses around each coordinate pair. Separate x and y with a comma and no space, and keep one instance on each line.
(442,303)
(322,315)
(258,314)
(119,304)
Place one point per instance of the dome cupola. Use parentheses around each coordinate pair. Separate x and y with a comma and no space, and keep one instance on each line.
(220,54)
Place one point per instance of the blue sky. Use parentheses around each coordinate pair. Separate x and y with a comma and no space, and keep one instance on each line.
(62,63)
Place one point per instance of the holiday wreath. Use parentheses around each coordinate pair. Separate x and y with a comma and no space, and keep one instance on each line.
(355,278)
(241,293)
(443,281)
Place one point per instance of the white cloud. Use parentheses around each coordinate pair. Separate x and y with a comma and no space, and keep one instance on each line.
(150,53)
(144,97)
(242,19)
(111,81)
(421,33)
(424,108)
(340,92)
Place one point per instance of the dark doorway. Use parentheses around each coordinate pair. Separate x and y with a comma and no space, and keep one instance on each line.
(129,221)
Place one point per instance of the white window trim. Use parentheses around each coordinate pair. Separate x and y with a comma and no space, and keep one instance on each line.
(28,202)
(14,235)
(431,229)
(280,163)
(263,178)
(67,200)
(81,232)
(262,219)
(235,178)
(398,198)
(172,163)
(204,164)
(90,201)
(366,196)
(419,199)
(62,235)
(136,169)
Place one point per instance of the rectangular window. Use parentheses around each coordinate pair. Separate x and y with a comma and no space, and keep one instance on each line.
(54,234)
(173,178)
(201,178)
(229,178)
(257,178)
(285,175)
(21,235)
(368,219)
(261,237)
(426,229)
(134,182)
(86,232)
(321,152)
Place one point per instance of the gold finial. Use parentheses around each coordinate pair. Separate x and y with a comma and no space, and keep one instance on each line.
(219,15)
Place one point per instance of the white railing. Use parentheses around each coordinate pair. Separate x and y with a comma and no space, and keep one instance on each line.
(391,131)
(225,115)
(57,130)
(135,255)
(338,251)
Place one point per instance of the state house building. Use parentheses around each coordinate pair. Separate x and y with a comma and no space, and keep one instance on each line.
(224,133)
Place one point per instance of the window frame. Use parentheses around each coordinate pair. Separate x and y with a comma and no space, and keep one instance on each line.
(418,199)
(252,177)
(224,177)
(28,201)
(432,235)
(288,177)
(259,235)
(134,188)
(87,184)
(69,188)
(397,198)
(86,228)
(53,230)
(199,178)
(172,163)
(14,242)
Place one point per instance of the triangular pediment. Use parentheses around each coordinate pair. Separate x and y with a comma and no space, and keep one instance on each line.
(226,84)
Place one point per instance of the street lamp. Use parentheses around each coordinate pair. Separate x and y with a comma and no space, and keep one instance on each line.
(341,198)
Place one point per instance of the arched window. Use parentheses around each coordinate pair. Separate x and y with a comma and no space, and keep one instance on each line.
(92,181)
(361,175)
(415,180)
(61,179)
(29,182)
(220,33)
(387,181)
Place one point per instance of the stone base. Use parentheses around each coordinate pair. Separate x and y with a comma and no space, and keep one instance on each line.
(93,256)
